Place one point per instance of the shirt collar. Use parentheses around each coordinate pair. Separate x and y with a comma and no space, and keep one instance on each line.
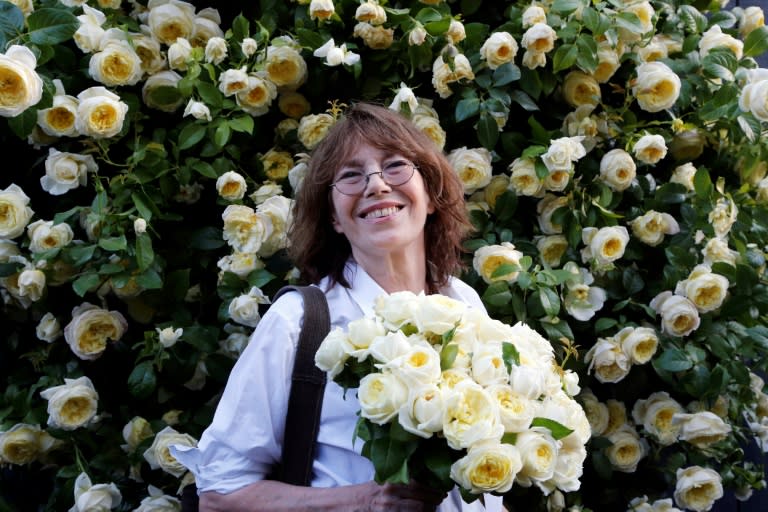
(363,289)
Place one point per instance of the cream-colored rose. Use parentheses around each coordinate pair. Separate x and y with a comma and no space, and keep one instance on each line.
(723,216)
(206,26)
(608,362)
(89,497)
(650,149)
(293,104)
(249,46)
(551,249)
(418,366)
(487,467)
(705,289)
(381,396)
(532,15)
(231,186)
(257,96)
(538,453)
(656,87)
(698,488)
(153,60)
(313,128)
(20,85)
(422,414)
(456,32)
(608,61)
(371,12)
(31,284)
(580,88)
(523,179)
(488,259)
(417,36)
(58,120)
(168,336)
(516,411)
(233,81)
(285,67)
(158,502)
(46,236)
(396,309)
(596,411)
(604,245)
(48,328)
(651,227)
(653,50)
(277,164)
(754,98)
(278,210)
(66,171)
(582,301)
(687,145)
(362,332)
(655,414)
(473,167)
(683,174)
(539,39)
(617,415)
(244,230)
(645,14)
(116,64)
(321,9)
(159,455)
(215,50)
(627,449)
(179,54)
(89,34)
(24,443)
(702,429)
(499,49)
(71,405)
(714,37)
(438,314)
(562,153)
(155,90)
(91,328)
(471,416)
(244,309)
(14,212)
(333,352)
(545,208)
(430,125)
(444,74)
(638,343)
(171,20)
(498,185)
(533,60)
(134,432)
(487,363)
(717,250)
(679,316)
(617,169)
(266,190)
(198,110)
(100,113)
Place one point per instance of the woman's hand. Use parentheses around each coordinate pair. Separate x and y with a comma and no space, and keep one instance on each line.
(412,497)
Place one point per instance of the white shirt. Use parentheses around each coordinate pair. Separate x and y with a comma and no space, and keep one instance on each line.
(244,440)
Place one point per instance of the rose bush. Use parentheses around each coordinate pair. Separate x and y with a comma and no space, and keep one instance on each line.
(614,160)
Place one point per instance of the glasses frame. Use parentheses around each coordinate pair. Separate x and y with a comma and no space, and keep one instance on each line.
(367,178)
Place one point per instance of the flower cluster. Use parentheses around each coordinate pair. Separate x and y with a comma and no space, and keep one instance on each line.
(613,156)
(490,394)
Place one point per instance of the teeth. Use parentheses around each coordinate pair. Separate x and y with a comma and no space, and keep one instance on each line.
(383,212)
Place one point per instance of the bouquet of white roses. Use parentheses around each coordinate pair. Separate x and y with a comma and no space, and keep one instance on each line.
(451,396)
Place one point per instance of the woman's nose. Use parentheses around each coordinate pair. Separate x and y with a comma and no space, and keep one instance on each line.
(374,182)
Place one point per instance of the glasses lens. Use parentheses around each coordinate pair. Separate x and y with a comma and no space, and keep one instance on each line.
(398,174)
(353,183)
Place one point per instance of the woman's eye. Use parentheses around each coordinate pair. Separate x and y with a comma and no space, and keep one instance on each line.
(350,175)
(396,164)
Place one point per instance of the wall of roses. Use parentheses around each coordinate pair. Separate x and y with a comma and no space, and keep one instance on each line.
(614,161)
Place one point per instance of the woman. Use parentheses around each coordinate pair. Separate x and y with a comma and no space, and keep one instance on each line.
(381,210)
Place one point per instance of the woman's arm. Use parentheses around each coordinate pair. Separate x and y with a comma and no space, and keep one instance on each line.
(273,496)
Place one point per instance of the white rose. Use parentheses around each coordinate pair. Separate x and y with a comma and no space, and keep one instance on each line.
(24,443)
(498,49)
(278,210)
(168,336)
(516,411)
(655,415)
(422,413)
(443,74)
(371,12)
(31,283)
(596,412)
(545,208)
(430,125)
(534,14)
(14,212)
(179,54)
(456,31)
(604,245)
(714,37)
(257,96)
(321,9)
(58,120)
(723,216)
(488,259)
(438,314)
(158,455)
(155,89)
(627,449)
(397,309)
(417,36)
(244,309)
(650,149)
(89,34)
(386,348)
(617,169)
(134,432)
(91,328)
(698,488)
(582,301)
(215,50)
(679,316)
(751,18)
(285,67)
(651,227)
(533,60)
(608,61)
(717,250)
(244,230)
(487,467)
(471,415)
(608,362)
(683,174)
(153,60)
(580,88)
(381,396)
(404,96)
(46,236)
(48,328)
(231,186)
(473,167)
(71,405)
(538,453)
(702,429)
(656,87)
(100,113)
(170,20)
(539,38)
(249,46)
(116,64)
(333,352)
(562,153)
(89,497)
(523,178)
(66,171)
(206,27)
(638,343)
(705,289)
(158,502)
(22,86)
(488,366)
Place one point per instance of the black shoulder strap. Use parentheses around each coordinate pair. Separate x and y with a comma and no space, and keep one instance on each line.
(307,385)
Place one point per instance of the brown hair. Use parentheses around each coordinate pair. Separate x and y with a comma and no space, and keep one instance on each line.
(318,250)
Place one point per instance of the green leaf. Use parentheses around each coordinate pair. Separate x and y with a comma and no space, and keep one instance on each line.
(550,301)
(79,254)
(242,124)
(144,211)
(222,134)
(756,42)
(510,355)
(142,381)
(427,15)
(565,6)
(85,283)
(115,243)
(466,108)
(259,278)
(191,135)
(204,169)
(448,355)
(150,280)
(558,430)
(145,255)
(48,26)
(497,294)
(522,99)
(210,94)
(207,238)
(505,74)
(702,183)
(310,38)
(564,57)
(11,22)
(487,130)
(673,360)
(390,459)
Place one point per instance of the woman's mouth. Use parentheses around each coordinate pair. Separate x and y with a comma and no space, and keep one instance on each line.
(381,212)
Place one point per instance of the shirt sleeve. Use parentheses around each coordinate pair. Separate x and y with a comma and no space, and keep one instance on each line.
(243,442)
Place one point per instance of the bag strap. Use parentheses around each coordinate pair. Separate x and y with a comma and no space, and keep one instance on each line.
(302,421)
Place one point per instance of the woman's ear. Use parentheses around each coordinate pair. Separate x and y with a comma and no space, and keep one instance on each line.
(335,223)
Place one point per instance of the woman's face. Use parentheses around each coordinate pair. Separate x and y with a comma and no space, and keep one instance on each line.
(382,219)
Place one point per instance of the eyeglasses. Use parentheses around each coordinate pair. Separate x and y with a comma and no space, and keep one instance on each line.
(353,182)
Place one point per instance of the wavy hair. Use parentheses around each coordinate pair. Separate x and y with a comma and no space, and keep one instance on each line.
(318,250)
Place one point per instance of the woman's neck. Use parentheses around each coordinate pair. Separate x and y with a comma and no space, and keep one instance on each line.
(396,273)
